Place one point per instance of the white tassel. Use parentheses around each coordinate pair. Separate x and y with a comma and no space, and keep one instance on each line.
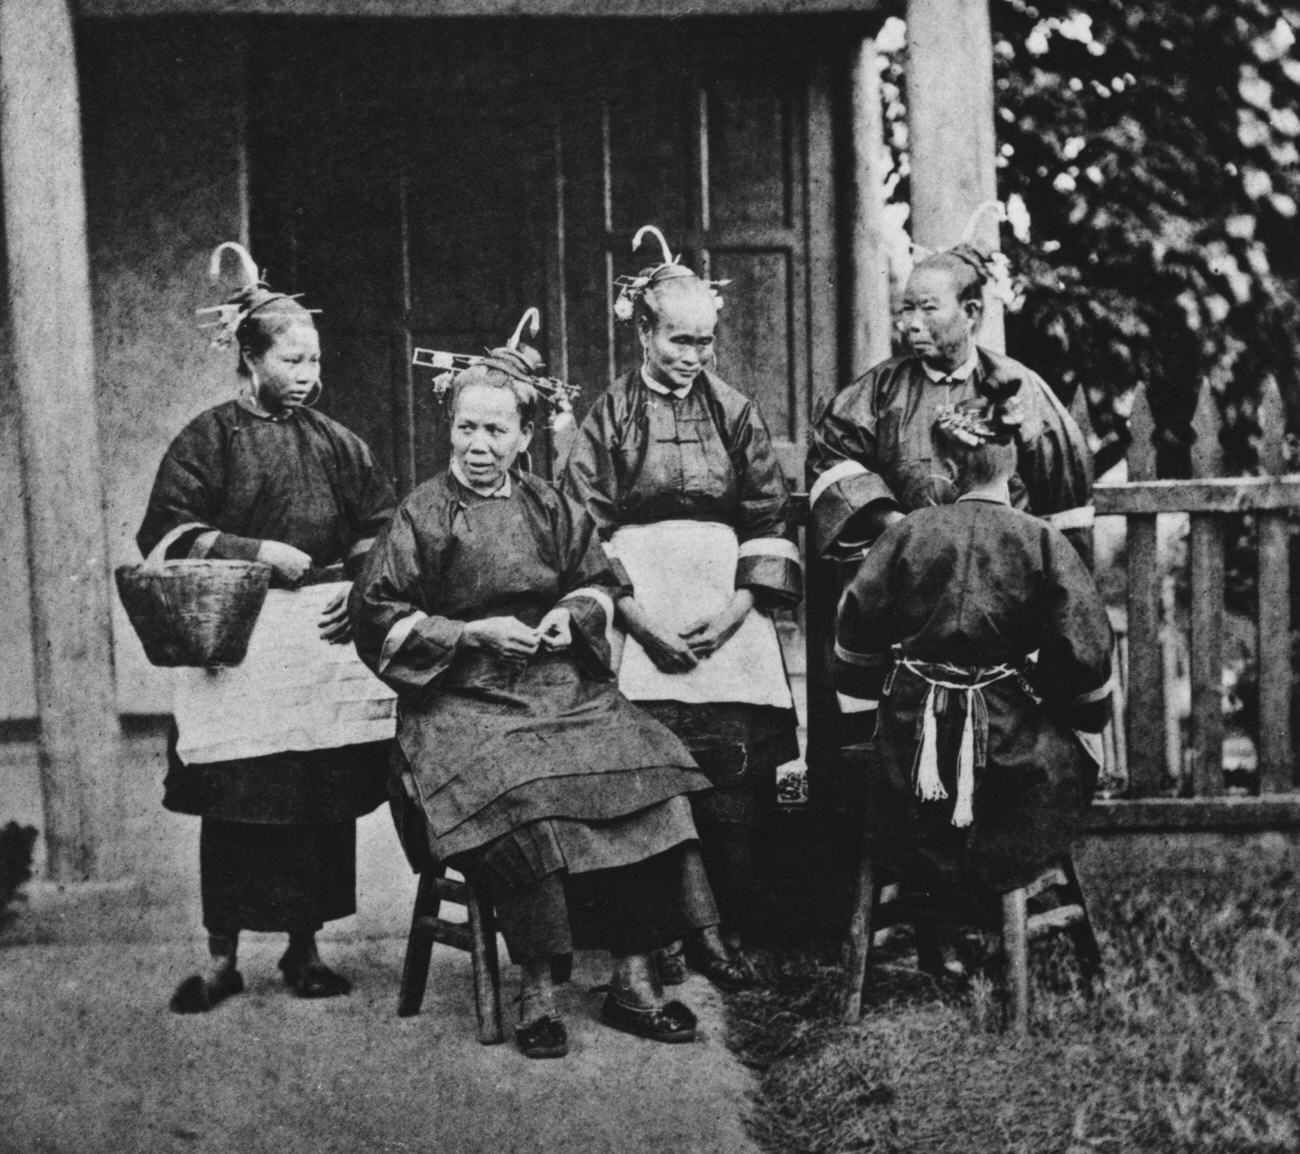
(964,811)
(928,785)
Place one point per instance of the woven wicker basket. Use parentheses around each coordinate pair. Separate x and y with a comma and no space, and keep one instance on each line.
(198,613)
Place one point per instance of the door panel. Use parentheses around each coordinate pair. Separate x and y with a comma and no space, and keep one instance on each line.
(488,166)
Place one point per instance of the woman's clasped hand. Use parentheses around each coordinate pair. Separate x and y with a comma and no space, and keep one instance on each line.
(510,638)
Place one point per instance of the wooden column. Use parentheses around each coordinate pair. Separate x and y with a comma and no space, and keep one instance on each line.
(872,311)
(49,293)
(951,132)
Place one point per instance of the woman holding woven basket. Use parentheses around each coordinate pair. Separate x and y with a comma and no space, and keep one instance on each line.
(280,755)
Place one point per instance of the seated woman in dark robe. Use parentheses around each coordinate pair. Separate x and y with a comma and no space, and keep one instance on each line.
(486,605)
(983,758)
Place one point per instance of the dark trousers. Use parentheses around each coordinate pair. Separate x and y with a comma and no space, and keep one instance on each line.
(632,909)
(276,878)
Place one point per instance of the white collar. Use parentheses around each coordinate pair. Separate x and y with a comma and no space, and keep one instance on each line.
(960,373)
(663,390)
(502,491)
(993,497)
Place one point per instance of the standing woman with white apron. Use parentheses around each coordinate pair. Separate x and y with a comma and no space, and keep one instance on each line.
(281,754)
(677,468)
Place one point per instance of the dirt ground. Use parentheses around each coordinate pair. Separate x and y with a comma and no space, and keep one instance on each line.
(91,1060)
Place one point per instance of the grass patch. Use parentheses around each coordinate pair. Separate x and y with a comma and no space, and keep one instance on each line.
(1191,1044)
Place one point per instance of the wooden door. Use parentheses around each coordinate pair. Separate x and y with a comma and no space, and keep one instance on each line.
(483,167)
(729,153)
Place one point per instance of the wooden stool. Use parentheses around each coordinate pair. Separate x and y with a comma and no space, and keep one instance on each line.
(875,909)
(478,938)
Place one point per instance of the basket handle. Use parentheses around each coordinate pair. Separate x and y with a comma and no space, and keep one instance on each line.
(159,552)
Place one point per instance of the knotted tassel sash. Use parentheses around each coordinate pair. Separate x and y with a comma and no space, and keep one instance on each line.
(970,683)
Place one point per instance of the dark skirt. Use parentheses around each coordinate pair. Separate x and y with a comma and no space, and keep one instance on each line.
(738,747)
(1030,797)
(313,787)
(276,878)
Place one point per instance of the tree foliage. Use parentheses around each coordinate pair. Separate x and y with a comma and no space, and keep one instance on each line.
(1149,153)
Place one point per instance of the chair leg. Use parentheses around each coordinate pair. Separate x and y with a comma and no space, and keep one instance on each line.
(929,948)
(1015,944)
(487,970)
(858,947)
(1086,947)
(419,945)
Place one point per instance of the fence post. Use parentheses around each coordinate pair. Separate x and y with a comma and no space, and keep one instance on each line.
(1205,556)
(1146,687)
(1276,754)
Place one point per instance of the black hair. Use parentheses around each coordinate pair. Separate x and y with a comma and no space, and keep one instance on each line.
(968,265)
(269,314)
(976,465)
(503,369)
(670,280)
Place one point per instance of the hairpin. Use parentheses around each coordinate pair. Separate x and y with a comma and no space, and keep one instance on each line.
(520,363)
(255,294)
(632,288)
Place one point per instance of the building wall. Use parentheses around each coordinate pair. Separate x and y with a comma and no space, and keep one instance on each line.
(162,122)
(17,694)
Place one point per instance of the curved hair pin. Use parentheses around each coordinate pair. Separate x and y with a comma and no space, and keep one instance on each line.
(246,262)
(999,212)
(532,320)
(663,244)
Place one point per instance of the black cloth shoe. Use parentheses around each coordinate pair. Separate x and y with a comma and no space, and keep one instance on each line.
(729,974)
(544,1038)
(671,1022)
(198,995)
(314,979)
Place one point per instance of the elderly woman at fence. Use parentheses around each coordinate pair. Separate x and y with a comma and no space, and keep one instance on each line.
(871,459)
(677,468)
(278,768)
(487,605)
(978,632)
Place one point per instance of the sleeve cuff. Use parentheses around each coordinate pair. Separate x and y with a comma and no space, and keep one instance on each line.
(859,675)
(839,493)
(770,566)
(1081,517)
(591,618)
(396,638)
(232,547)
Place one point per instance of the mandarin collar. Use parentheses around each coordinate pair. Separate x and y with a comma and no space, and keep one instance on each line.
(663,390)
(502,492)
(960,373)
(245,402)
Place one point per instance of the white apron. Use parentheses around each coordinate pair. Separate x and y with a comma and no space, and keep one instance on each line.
(682,571)
(293,691)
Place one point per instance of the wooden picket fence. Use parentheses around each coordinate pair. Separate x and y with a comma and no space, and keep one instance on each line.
(1158,777)
(1162,783)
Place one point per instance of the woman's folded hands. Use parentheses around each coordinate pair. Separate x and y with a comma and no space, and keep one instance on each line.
(510,638)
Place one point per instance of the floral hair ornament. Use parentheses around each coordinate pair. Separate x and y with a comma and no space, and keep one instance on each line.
(632,288)
(239,306)
(517,361)
(973,425)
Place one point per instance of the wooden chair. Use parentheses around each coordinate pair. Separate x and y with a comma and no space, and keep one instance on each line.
(478,937)
(875,908)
